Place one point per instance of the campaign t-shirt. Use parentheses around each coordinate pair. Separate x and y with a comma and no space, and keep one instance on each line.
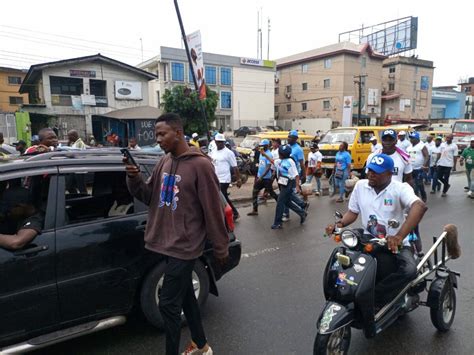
(468,155)
(434,151)
(404,144)
(401,166)
(343,159)
(286,168)
(298,155)
(262,166)
(416,155)
(376,147)
(223,160)
(448,152)
(314,159)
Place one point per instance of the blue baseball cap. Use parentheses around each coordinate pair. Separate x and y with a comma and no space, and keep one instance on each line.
(414,135)
(285,150)
(381,163)
(389,133)
(264,142)
(293,133)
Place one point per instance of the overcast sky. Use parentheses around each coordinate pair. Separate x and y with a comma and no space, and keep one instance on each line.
(32,31)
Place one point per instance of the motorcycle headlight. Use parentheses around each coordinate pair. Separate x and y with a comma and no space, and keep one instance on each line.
(349,239)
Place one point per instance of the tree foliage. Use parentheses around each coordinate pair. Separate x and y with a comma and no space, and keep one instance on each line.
(185,102)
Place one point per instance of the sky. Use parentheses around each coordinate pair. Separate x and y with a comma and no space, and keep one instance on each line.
(49,30)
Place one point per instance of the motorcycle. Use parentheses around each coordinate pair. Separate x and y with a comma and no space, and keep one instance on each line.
(350,278)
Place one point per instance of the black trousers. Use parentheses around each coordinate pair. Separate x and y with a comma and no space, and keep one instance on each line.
(224,188)
(443,176)
(390,286)
(258,186)
(177,294)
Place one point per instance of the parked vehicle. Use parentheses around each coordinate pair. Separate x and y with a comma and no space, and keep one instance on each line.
(274,128)
(88,268)
(349,279)
(462,129)
(245,130)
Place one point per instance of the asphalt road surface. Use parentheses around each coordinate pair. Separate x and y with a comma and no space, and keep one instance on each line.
(269,304)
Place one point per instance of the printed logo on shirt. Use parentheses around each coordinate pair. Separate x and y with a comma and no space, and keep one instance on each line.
(395,170)
(388,202)
(169,191)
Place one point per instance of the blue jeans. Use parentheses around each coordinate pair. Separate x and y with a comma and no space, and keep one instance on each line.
(285,201)
(418,176)
(295,199)
(434,177)
(341,183)
(309,178)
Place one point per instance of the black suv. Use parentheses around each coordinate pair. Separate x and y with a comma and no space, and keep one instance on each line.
(245,130)
(88,267)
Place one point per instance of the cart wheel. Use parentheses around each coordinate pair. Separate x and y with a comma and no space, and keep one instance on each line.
(334,343)
(442,314)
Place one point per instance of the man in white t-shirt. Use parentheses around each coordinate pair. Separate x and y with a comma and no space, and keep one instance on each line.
(403,143)
(435,153)
(224,161)
(447,161)
(375,146)
(315,159)
(377,200)
(419,158)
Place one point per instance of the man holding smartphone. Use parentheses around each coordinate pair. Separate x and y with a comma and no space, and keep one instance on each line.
(184,210)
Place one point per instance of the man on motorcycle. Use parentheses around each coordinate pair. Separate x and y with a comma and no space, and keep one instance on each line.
(378,199)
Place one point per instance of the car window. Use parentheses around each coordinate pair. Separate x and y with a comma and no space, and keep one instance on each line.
(23,203)
(365,136)
(96,195)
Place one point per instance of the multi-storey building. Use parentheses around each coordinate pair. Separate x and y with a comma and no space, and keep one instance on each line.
(10,81)
(468,88)
(245,86)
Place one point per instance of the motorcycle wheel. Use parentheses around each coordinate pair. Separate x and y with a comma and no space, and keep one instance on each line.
(336,343)
(442,316)
(244,178)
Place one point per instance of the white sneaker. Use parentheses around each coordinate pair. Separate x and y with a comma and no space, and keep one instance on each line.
(193,350)
(470,194)
(317,193)
(285,219)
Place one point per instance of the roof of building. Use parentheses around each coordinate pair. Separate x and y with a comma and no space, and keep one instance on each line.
(15,70)
(328,51)
(413,60)
(139,112)
(36,69)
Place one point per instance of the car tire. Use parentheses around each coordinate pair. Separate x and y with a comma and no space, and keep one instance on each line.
(149,295)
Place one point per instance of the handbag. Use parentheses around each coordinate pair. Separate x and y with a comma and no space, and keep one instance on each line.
(339,173)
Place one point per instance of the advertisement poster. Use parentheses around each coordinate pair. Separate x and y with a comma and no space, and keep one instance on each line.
(128,90)
(425,83)
(347,111)
(195,50)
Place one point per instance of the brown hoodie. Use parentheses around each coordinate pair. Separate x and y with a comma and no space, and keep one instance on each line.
(184,206)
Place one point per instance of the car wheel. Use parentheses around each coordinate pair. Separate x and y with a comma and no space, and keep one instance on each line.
(151,288)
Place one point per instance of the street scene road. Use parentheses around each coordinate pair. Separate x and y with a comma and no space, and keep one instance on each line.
(270,303)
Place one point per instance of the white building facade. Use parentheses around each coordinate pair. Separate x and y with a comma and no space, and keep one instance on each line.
(245,87)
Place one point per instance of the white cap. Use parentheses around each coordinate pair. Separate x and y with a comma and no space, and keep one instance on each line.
(194,135)
(373,138)
(219,137)
(402,133)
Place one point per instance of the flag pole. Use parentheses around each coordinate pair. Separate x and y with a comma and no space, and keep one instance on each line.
(188,54)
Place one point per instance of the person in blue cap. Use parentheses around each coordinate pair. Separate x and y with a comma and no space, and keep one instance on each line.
(288,180)
(263,180)
(419,159)
(376,200)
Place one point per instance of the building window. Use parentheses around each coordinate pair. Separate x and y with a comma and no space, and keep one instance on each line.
(304,106)
(304,86)
(288,89)
(226,99)
(99,89)
(326,105)
(226,76)
(190,75)
(304,68)
(467,89)
(211,75)
(391,70)
(16,100)
(327,63)
(327,83)
(363,62)
(288,108)
(391,87)
(14,80)
(276,109)
(277,90)
(65,86)
(158,99)
(177,71)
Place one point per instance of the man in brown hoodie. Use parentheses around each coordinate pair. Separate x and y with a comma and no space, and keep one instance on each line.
(184,211)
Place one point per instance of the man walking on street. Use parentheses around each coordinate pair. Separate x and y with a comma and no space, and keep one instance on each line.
(264,177)
(224,160)
(181,194)
(435,151)
(403,143)
(468,156)
(419,158)
(447,161)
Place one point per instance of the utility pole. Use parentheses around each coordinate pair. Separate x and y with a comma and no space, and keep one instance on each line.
(268,44)
(358,81)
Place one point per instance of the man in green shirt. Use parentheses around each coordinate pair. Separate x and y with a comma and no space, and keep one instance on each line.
(468,156)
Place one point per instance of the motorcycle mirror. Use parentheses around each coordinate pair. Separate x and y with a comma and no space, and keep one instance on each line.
(338,214)
(393,223)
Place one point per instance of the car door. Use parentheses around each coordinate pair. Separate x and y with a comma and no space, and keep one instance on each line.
(28,293)
(99,243)
(363,147)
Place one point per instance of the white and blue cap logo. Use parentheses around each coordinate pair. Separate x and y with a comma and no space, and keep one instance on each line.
(414,135)
(264,142)
(381,163)
(390,133)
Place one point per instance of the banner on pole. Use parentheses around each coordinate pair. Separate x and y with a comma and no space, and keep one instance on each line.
(347,112)
(197,62)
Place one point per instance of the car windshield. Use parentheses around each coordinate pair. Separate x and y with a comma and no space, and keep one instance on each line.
(338,136)
(464,127)
(250,142)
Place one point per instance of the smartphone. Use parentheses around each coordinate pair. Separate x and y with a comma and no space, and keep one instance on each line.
(126,153)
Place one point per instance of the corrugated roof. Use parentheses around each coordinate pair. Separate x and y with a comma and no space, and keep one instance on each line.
(139,112)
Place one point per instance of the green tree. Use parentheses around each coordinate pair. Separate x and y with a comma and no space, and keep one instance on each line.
(185,102)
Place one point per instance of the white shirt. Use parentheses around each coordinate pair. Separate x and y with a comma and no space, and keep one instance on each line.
(223,160)
(314,158)
(376,147)
(401,166)
(211,148)
(10,149)
(416,155)
(448,152)
(291,168)
(275,154)
(379,209)
(434,151)
(429,145)
(404,144)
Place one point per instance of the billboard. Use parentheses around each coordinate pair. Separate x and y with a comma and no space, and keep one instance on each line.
(347,111)
(128,90)
(387,38)
(195,49)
